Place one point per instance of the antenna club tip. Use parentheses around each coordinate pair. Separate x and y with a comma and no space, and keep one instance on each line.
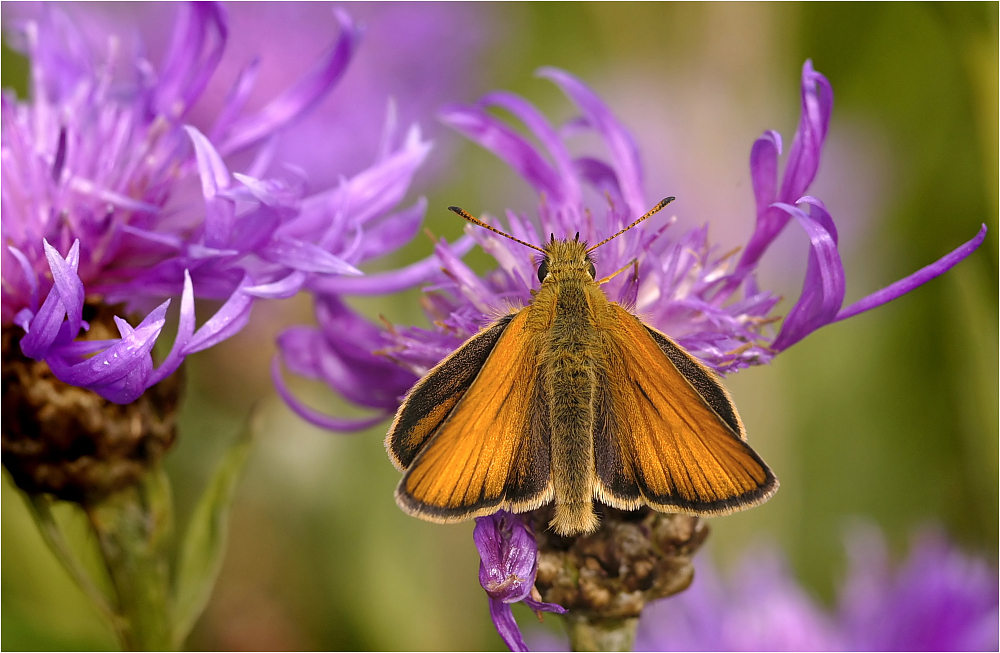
(456,209)
(665,201)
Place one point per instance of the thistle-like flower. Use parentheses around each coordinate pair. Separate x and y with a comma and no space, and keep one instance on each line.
(706,300)
(98,175)
(111,203)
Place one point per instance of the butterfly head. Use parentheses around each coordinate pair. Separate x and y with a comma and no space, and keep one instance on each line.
(566,259)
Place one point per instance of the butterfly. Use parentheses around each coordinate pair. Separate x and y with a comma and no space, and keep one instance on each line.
(572,399)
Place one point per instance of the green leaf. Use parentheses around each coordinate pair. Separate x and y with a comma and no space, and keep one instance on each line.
(205,540)
(40,508)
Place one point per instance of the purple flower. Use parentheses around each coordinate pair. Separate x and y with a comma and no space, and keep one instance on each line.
(508,564)
(938,600)
(108,194)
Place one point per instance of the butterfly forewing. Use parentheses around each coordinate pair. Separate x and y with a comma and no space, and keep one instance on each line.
(492,449)
(665,432)
(431,400)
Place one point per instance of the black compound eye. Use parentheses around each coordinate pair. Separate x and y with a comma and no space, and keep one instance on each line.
(543,269)
(591,269)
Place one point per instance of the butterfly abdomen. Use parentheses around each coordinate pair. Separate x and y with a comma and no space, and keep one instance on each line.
(569,375)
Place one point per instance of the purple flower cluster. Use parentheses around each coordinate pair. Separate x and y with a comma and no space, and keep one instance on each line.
(938,600)
(108,195)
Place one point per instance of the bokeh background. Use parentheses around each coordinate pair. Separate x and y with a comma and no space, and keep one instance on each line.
(890,417)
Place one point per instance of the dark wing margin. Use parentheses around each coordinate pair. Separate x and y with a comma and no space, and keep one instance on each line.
(703,379)
(429,402)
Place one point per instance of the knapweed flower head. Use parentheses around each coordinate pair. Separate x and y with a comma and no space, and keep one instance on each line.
(938,599)
(108,196)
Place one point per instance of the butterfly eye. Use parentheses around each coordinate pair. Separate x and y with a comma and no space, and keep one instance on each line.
(543,269)
(591,269)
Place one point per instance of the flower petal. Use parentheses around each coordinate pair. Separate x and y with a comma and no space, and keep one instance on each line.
(302,96)
(185,331)
(227,321)
(328,422)
(624,152)
(508,556)
(918,278)
(512,148)
(542,129)
(381,283)
(804,155)
(220,211)
(503,619)
(823,286)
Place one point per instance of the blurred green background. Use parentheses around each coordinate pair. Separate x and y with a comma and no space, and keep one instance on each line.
(890,417)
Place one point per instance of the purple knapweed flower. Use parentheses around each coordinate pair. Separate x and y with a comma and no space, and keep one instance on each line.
(508,564)
(107,194)
(938,600)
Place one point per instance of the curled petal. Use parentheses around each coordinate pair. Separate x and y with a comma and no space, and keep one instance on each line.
(121,372)
(823,287)
(503,620)
(302,96)
(381,283)
(624,152)
(391,232)
(227,321)
(183,76)
(764,171)
(542,129)
(602,177)
(315,417)
(29,275)
(305,256)
(918,278)
(220,211)
(46,327)
(185,331)
(511,147)
(280,289)
(508,556)
(804,155)
(800,169)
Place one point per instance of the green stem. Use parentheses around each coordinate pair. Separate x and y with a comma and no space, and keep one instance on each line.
(588,633)
(133,527)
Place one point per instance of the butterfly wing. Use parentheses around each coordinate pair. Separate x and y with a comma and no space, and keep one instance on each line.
(485,450)
(429,402)
(666,433)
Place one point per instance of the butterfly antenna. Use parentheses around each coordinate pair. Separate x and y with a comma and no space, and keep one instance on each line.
(648,215)
(493,229)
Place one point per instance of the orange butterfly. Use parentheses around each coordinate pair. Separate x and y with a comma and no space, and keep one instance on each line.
(572,399)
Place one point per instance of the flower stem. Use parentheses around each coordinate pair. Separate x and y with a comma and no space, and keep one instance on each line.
(133,528)
(588,633)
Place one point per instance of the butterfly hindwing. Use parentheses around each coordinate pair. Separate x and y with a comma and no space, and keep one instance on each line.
(666,433)
(491,451)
